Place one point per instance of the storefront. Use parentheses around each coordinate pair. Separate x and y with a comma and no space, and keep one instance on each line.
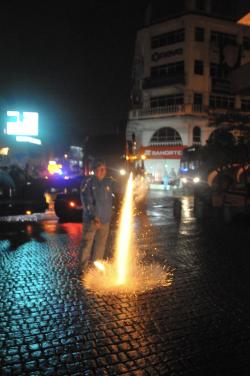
(161,162)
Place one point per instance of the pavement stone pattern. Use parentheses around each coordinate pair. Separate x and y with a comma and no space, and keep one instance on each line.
(200,325)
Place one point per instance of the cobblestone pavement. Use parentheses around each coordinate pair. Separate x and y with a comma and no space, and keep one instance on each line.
(200,325)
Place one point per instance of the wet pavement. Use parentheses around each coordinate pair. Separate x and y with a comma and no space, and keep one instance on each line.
(199,325)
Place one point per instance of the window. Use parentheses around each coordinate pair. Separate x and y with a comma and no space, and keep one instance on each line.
(245,105)
(196,135)
(218,71)
(198,98)
(167,100)
(198,67)
(246,43)
(165,136)
(223,102)
(222,38)
(201,5)
(168,69)
(168,38)
(199,34)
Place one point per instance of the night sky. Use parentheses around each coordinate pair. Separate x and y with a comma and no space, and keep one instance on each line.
(72,65)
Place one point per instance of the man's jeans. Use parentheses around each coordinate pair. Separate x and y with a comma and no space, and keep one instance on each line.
(94,242)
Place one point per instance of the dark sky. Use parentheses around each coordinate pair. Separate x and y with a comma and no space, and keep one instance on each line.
(72,65)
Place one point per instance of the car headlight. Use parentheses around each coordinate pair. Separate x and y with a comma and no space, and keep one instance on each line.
(196,180)
(184,180)
(122,172)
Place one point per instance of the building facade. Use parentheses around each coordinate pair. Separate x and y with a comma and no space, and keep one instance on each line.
(181,82)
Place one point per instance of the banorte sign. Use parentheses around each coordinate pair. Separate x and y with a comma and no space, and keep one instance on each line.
(162,152)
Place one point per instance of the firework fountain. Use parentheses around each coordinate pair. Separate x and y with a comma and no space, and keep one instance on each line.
(126,273)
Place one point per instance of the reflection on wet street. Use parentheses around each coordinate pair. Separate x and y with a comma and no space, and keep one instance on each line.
(197,325)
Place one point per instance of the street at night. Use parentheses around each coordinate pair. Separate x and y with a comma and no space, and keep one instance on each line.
(125,188)
(197,325)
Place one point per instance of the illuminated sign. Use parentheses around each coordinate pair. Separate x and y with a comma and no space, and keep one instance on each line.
(22,123)
(162,152)
(159,55)
(31,140)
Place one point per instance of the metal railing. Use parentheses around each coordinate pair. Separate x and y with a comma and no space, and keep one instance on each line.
(162,110)
(181,109)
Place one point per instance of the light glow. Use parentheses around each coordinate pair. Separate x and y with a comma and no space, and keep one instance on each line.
(122,172)
(31,140)
(245,20)
(196,180)
(54,168)
(22,123)
(4,151)
(99,265)
(122,259)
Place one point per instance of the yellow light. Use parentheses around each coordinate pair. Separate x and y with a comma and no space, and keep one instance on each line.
(28,212)
(196,180)
(122,172)
(99,265)
(4,151)
(122,258)
(143,157)
(127,158)
(54,167)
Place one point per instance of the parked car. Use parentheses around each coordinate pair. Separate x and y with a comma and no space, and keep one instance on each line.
(67,204)
(20,193)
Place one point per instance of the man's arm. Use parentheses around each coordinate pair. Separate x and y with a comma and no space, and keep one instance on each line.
(87,198)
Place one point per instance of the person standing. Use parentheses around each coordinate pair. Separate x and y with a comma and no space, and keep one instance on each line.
(165,179)
(96,197)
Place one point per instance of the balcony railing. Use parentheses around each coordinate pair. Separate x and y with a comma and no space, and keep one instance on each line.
(221,85)
(199,108)
(177,109)
(162,110)
(151,82)
(185,109)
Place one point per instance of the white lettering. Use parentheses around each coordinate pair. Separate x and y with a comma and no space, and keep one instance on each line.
(148,152)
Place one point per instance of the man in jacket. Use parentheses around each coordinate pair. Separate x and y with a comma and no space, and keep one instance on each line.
(96,197)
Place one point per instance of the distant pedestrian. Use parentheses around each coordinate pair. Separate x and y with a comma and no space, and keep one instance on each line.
(165,180)
(96,198)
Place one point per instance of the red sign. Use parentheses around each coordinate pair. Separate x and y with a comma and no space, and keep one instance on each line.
(162,152)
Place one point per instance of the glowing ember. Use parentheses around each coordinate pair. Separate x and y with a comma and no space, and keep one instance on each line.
(122,255)
(99,266)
